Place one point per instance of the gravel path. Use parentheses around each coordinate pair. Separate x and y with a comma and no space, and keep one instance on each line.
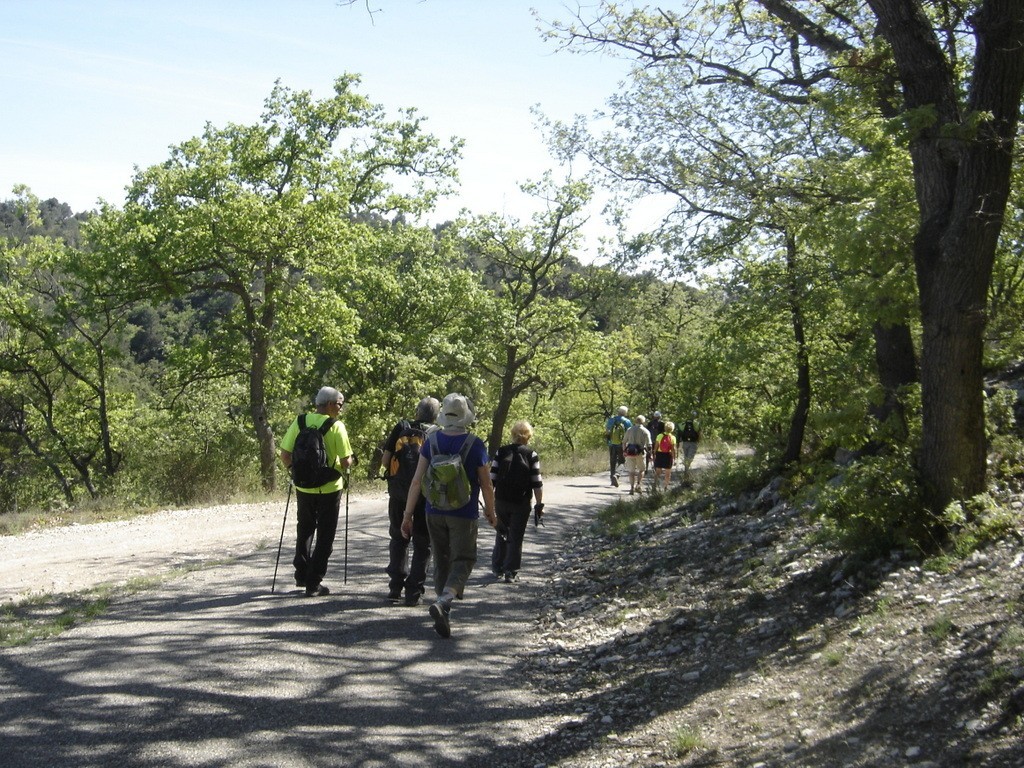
(210,668)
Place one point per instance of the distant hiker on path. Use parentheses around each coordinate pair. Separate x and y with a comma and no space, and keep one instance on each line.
(400,458)
(655,426)
(614,432)
(637,447)
(316,451)
(453,472)
(515,472)
(689,437)
(665,450)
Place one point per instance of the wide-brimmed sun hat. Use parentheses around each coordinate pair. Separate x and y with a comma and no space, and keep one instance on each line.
(456,411)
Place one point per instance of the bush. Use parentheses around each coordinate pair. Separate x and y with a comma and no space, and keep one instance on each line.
(976,522)
(875,504)
(737,473)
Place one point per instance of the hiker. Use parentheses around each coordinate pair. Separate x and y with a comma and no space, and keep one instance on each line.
(665,451)
(637,449)
(400,458)
(317,504)
(453,530)
(655,426)
(515,472)
(614,430)
(689,437)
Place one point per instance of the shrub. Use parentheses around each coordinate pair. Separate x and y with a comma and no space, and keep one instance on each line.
(735,474)
(976,522)
(875,504)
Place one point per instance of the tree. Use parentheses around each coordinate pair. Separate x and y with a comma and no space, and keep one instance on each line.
(737,166)
(534,322)
(960,67)
(272,215)
(966,118)
(62,337)
(416,337)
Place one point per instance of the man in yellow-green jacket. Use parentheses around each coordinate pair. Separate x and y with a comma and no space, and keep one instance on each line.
(317,501)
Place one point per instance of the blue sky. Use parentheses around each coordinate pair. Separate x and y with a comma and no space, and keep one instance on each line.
(92,88)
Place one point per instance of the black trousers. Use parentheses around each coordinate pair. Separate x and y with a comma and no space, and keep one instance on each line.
(317,515)
(507,554)
(413,579)
(615,458)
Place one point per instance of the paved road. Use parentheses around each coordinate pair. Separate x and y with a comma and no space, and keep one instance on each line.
(212,669)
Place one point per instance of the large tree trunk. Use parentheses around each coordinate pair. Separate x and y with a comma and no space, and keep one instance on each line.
(962,179)
(896,361)
(498,419)
(506,395)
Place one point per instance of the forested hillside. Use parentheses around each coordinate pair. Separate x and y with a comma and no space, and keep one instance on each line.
(840,271)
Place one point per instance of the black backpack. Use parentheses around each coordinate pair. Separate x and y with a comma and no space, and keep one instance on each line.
(513,479)
(405,457)
(309,456)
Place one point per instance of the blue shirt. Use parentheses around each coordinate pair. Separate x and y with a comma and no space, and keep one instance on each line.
(609,427)
(476,458)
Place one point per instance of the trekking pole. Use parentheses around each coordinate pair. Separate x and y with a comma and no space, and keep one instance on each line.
(281,542)
(345,577)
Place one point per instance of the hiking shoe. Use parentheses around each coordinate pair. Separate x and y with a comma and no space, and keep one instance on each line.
(413,598)
(318,591)
(511,576)
(395,594)
(615,481)
(439,612)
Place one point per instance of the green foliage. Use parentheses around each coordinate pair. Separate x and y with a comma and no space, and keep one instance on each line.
(621,515)
(977,521)
(262,261)
(1000,417)
(1004,332)
(872,505)
(1006,445)
(61,353)
(736,474)
(274,216)
(196,451)
(28,217)
(536,318)
(685,740)
(940,629)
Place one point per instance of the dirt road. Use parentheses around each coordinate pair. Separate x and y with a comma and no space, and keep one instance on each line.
(210,668)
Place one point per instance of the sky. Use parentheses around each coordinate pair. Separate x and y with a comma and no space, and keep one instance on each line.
(93,88)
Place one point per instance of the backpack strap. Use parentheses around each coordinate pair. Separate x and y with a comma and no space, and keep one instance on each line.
(324,428)
(467,445)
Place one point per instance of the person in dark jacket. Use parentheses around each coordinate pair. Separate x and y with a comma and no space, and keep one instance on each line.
(401,448)
(515,472)
(688,437)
